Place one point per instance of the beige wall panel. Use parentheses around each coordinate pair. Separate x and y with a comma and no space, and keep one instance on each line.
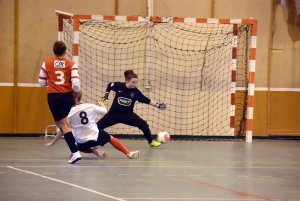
(279,28)
(179,8)
(38,30)
(132,7)
(285,57)
(284,113)
(6,110)
(7,40)
(257,9)
(33,111)
(285,71)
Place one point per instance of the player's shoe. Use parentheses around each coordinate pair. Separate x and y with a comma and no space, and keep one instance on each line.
(133,154)
(154,143)
(75,157)
(99,152)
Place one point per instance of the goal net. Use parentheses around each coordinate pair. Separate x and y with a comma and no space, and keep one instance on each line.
(202,68)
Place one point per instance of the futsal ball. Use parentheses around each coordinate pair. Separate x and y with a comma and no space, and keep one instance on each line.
(163,137)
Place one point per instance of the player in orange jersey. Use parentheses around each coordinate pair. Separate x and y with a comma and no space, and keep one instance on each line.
(59,74)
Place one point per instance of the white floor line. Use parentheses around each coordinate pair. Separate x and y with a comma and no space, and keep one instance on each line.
(63,182)
(212,199)
(190,167)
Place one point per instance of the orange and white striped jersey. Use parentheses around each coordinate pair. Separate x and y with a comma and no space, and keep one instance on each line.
(59,74)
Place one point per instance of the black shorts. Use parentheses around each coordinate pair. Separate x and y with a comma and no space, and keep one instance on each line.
(60,104)
(103,138)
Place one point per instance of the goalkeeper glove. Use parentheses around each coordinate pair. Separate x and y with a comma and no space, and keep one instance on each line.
(104,98)
(161,106)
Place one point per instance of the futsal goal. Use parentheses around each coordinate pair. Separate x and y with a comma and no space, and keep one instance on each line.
(202,68)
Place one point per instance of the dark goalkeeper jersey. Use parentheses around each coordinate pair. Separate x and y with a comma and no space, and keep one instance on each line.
(125,98)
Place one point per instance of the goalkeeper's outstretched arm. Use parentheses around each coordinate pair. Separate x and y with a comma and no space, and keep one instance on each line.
(144,99)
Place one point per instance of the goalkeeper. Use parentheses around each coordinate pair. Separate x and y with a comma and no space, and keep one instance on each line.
(121,110)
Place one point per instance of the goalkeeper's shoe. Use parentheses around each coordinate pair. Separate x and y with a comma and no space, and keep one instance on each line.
(133,154)
(154,143)
(76,157)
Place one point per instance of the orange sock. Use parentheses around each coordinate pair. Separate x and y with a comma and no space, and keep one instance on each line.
(118,145)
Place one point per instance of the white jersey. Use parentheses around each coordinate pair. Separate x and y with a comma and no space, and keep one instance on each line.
(82,118)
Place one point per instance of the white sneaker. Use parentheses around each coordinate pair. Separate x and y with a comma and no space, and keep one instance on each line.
(76,157)
(99,152)
(133,154)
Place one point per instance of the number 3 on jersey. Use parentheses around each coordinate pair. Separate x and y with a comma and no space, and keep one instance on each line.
(60,77)
(84,119)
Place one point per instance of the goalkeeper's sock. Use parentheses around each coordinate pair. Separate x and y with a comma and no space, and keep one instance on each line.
(119,145)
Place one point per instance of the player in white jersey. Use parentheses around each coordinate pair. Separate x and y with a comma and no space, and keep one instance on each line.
(86,133)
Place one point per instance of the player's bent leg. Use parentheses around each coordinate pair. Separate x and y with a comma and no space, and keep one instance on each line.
(134,120)
(64,125)
(91,147)
(117,144)
(133,154)
(76,157)
(143,125)
(87,151)
(99,152)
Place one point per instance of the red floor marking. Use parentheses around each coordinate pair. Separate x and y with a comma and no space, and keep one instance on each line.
(220,187)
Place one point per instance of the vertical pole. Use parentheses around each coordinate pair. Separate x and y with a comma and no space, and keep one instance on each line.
(114,34)
(149,8)
(75,52)
(269,67)
(76,28)
(16,65)
(116,7)
(233,78)
(250,109)
(212,8)
(148,46)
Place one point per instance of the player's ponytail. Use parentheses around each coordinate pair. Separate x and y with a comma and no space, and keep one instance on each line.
(130,74)
(79,96)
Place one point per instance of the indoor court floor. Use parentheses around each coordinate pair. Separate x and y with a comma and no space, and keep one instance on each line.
(179,171)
